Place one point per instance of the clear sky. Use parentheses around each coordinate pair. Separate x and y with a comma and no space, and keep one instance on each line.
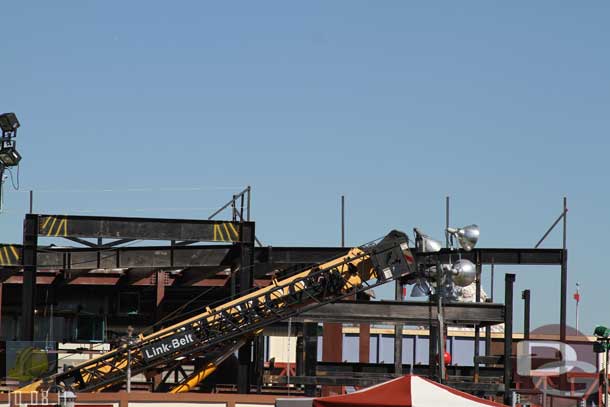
(503,106)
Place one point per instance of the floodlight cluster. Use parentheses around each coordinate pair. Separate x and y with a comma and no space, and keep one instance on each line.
(442,279)
(9,156)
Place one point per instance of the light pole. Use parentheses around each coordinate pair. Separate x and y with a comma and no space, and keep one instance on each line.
(9,156)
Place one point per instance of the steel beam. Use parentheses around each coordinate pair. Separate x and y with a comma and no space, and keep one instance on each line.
(373,379)
(10,255)
(194,275)
(406,313)
(525,295)
(310,335)
(69,226)
(509,281)
(28,296)
(508,256)
(159,293)
(1,289)
(477,332)
(364,343)
(398,333)
(245,280)
(211,255)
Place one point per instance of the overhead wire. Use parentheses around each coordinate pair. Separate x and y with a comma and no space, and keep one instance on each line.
(131,189)
(13,182)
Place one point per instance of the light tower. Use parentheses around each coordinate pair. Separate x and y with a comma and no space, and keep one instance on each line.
(9,156)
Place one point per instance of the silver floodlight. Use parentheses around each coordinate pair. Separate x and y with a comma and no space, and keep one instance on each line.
(463,272)
(425,244)
(421,289)
(466,236)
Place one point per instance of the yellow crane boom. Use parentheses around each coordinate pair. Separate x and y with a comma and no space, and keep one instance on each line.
(225,327)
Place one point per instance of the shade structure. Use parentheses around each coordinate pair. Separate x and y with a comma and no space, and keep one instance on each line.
(406,391)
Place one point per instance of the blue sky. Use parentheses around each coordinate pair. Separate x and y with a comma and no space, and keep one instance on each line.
(503,106)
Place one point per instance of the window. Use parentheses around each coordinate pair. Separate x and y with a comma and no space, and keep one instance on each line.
(129,303)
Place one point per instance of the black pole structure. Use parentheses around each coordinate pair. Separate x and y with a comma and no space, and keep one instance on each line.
(509,281)
(446,221)
(245,280)
(249,189)
(310,339)
(342,220)
(28,305)
(398,334)
(525,295)
(564,275)
(477,332)
(490,299)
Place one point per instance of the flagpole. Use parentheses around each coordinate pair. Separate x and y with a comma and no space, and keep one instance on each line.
(577,297)
(577,302)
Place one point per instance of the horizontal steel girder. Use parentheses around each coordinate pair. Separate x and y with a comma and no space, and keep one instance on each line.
(408,312)
(371,380)
(216,255)
(69,226)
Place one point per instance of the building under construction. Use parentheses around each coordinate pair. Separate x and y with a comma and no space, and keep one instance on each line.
(113,306)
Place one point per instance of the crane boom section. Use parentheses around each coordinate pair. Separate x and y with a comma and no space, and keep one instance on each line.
(362,268)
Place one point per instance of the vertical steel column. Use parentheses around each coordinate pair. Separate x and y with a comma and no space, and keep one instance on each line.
(28,298)
(446,221)
(332,350)
(432,343)
(159,294)
(259,362)
(342,220)
(249,189)
(509,281)
(526,314)
(300,355)
(310,335)
(245,280)
(1,288)
(490,299)
(364,344)
(442,338)
(477,332)
(398,334)
(564,276)
(487,341)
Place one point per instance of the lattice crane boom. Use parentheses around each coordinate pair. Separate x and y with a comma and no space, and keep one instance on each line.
(224,327)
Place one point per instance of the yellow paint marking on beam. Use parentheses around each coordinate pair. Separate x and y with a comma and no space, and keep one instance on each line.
(51,227)
(234,231)
(46,221)
(8,259)
(218,231)
(62,224)
(15,252)
(228,233)
(1,260)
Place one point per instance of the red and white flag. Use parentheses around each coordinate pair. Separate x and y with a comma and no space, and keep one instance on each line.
(577,293)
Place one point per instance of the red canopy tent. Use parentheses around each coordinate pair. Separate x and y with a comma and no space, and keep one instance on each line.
(406,391)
